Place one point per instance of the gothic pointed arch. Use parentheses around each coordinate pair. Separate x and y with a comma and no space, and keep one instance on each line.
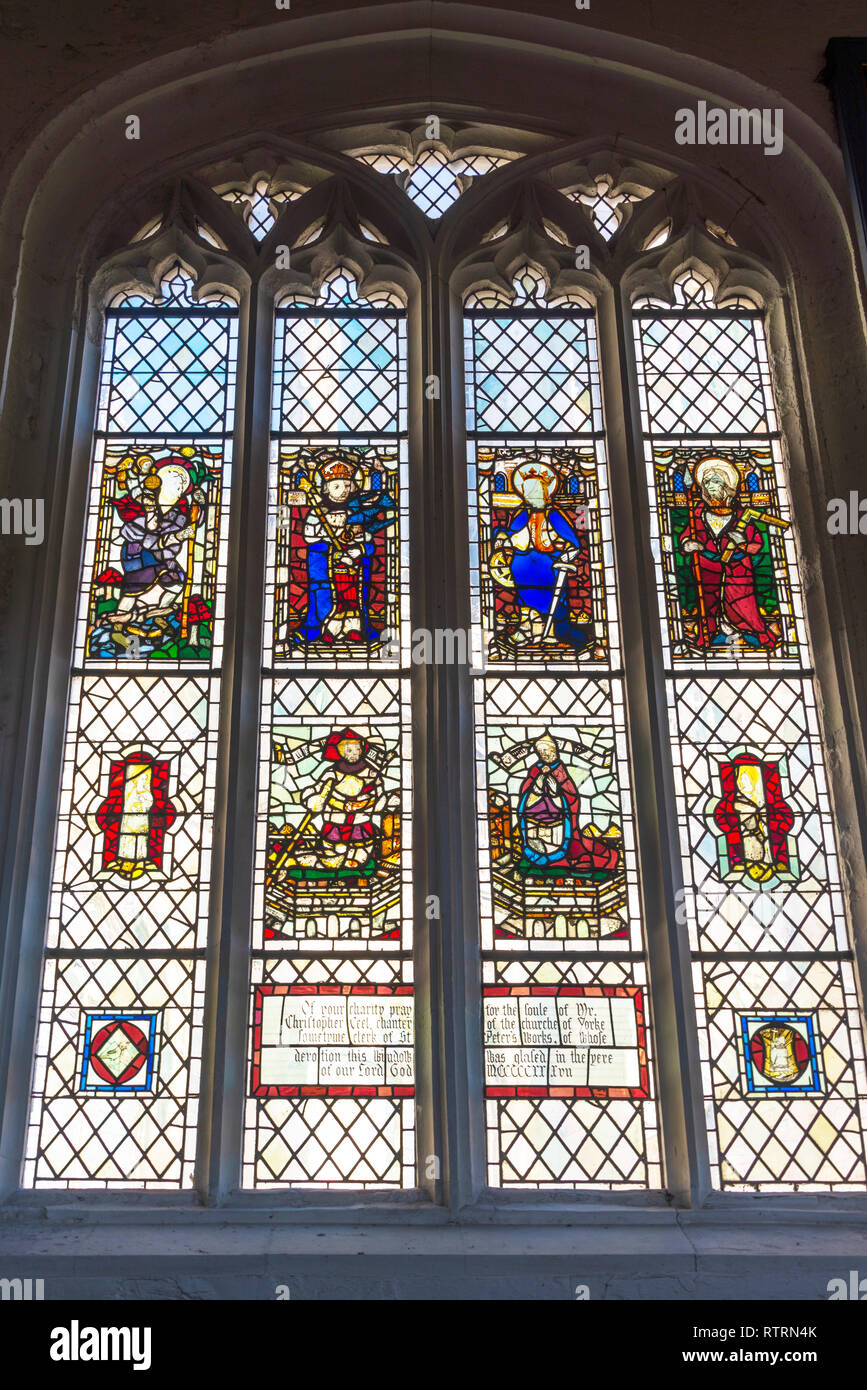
(312,267)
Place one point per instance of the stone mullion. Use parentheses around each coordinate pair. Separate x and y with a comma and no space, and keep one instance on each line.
(227,990)
(674,1029)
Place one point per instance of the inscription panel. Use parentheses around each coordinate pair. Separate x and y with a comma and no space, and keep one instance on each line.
(332,1041)
(565,1041)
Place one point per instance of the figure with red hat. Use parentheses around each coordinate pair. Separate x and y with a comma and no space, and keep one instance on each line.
(339,531)
(347,799)
(158,509)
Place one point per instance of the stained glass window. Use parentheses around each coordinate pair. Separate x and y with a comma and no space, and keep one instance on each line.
(568,1076)
(331,1067)
(119,1046)
(780,1037)
(569,1095)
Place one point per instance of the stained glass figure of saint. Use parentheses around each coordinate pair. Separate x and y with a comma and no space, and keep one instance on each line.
(134,817)
(535,555)
(548,820)
(729,569)
(341,568)
(556,872)
(346,799)
(342,857)
(756,821)
(156,547)
(541,565)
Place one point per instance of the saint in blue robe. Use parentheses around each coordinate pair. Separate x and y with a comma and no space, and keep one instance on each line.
(535,575)
(372,511)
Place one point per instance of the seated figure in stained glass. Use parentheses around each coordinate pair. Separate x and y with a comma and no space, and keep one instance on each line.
(535,555)
(343,857)
(552,874)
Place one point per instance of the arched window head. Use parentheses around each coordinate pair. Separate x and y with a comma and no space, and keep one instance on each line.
(177,288)
(694,289)
(339,289)
(531,289)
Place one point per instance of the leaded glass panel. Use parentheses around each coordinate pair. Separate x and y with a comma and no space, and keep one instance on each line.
(568,1073)
(119,1045)
(779,1026)
(330,1097)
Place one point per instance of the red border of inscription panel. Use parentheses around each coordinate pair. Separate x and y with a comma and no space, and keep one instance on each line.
(260,1091)
(634,992)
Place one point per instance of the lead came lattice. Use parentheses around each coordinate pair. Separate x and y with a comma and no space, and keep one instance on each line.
(129,895)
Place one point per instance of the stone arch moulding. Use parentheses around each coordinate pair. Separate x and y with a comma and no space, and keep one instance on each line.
(219,99)
(221,96)
(200,106)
